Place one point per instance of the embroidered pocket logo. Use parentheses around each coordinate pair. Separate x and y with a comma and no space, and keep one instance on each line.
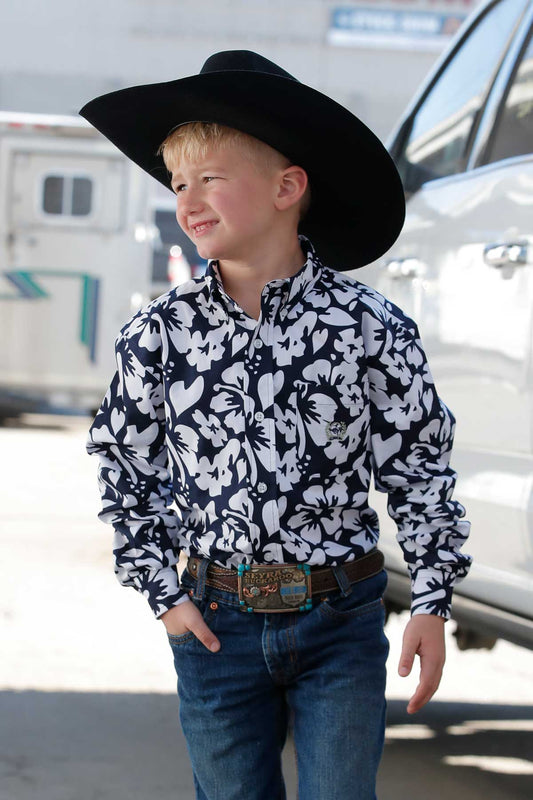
(336,430)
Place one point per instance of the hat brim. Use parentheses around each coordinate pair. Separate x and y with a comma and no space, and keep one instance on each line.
(357,207)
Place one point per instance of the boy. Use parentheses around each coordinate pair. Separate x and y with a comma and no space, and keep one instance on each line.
(259,399)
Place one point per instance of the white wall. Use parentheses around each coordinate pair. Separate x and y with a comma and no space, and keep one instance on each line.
(56,55)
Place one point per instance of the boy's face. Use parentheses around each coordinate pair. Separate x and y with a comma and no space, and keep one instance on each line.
(226,204)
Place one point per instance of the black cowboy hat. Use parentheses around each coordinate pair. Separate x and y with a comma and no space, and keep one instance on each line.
(357,202)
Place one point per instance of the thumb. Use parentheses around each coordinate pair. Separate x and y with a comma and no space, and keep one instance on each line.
(407,657)
(205,635)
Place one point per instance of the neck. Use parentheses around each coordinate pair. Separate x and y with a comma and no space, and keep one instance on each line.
(282,259)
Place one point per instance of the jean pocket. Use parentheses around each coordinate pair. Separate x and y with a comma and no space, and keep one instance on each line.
(181,638)
(340,609)
(365,598)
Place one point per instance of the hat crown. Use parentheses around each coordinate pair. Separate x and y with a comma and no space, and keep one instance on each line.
(243,61)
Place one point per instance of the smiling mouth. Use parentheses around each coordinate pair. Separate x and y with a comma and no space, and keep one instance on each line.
(202,227)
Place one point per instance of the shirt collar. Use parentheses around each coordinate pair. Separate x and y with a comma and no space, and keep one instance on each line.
(292,289)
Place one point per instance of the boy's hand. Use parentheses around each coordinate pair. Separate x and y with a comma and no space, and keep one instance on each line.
(424,635)
(186,617)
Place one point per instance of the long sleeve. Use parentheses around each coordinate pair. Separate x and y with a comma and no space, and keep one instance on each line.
(128,435)
(412,435)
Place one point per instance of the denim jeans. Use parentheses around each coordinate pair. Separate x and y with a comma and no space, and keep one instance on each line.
(323,668)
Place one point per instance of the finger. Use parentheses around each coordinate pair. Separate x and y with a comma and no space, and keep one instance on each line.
(422,695)
(430,675)
(205,635)
(407,657)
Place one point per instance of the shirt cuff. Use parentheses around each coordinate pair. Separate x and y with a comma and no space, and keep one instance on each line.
(182,597)
(163,591)
(431,592)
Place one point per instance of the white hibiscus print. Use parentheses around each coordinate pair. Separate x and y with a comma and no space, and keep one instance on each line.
(289,472)
(349,344)
(290,343)
(286,422)
(206,348)
(214,476)
(406,410)
(183,446)
(210,428)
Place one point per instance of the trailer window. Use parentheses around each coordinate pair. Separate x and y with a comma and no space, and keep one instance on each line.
(67,195)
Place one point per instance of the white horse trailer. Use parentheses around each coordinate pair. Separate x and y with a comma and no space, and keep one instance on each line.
(75,260)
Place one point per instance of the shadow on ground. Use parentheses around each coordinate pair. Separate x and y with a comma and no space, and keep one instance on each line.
(458,750)
(74,746)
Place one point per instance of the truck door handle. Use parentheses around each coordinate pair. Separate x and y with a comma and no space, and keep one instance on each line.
(409,268)
(508,254)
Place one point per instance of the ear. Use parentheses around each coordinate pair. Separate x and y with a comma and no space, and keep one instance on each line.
(291,187)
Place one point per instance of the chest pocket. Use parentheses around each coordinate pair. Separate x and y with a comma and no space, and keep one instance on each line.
(331,426)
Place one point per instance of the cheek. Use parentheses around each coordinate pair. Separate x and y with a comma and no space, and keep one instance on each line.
(248,209)
(180,219)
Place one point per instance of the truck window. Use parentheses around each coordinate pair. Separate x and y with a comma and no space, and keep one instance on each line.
(67,195)
(439,135)
(513,131)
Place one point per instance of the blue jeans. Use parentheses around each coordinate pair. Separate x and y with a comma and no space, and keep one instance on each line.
(324,667)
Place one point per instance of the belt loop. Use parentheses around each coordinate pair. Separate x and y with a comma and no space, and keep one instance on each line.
(342,580)
(201,577)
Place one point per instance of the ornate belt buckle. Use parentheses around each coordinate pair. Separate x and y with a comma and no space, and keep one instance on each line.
(274,588)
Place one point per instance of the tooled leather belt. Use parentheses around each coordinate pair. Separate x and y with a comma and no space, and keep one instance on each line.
(284,587)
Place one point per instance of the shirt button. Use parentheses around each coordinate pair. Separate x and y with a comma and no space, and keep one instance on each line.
(258,344)
(259,416)
(262,487)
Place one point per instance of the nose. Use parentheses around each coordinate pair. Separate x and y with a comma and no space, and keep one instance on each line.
(188,207)
(189,202)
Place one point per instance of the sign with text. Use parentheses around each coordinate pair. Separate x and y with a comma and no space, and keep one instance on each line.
(372,26)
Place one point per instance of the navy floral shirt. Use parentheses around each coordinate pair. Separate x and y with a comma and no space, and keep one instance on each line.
(245,440)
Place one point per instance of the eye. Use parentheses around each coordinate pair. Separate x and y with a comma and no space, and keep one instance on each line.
(180,188)
(209,178)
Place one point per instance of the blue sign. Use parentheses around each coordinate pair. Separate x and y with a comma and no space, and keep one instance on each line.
(371,25)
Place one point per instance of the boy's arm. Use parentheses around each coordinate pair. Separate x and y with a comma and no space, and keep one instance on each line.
(128,435)
(412,436)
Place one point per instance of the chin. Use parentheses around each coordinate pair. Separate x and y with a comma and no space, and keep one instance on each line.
(209,255)
(209,251)
(213,253)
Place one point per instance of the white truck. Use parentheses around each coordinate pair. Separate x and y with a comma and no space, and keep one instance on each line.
(75,260)
(463,268)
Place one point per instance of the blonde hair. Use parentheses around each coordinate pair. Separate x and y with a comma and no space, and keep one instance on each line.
(192,141)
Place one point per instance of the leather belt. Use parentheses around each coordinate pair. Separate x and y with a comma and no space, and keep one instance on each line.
(284,587)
